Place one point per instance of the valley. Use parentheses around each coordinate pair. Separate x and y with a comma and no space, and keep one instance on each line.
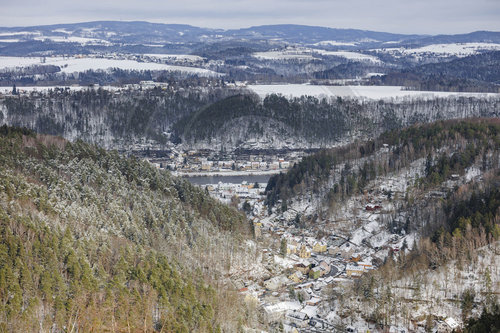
(315,257)
(283,178)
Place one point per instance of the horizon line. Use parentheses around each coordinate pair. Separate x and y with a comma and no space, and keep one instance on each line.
(239,28)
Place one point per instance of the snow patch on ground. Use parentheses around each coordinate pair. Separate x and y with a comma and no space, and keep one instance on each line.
(188,57)
(283,306)
(284,262)
(333,43)
(71,64)
(283,55)
(311,311)
(370,92)
(359,235)
(74,39)
(19,33)
(304,53)
(350,55)
(62,30)
(456,49)
(472,173)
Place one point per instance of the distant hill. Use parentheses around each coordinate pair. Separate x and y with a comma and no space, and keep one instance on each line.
(313,34)
(473,37)
(479,72)
(137,31)
(269,53)
(146,32)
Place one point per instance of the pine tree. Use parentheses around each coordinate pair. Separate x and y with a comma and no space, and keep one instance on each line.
(283,247)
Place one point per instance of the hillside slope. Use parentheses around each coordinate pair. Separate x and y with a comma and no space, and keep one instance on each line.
(474,73)
(421,206)
(91,241)
(214,117)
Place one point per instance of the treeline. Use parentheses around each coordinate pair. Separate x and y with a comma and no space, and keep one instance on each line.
(51,75)
(476,73)
(206,113)
(478,214)
(317,121)
(434,82)
(489,321)
(466,220)
(349,70)
(471,220)
(307,117)
(315,170)
(105,117)
(92,241)
(463,142)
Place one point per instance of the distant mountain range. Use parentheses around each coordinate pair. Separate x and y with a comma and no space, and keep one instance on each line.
(269,53)
(156,33)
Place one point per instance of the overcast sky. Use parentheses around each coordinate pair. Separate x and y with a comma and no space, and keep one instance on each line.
(398,16)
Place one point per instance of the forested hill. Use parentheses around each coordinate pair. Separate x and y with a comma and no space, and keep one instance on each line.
(111,119)
(479,72)
(449,147)
(311,122)
(215,117)
(91,241)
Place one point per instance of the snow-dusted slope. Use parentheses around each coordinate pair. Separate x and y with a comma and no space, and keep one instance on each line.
(371,92)
(77,64)
(304,53)
(444,50)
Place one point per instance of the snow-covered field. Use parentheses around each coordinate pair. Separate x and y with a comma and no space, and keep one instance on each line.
(71,64)
(304,53)
(456,49)
(56,38)
(350,55)
(189,57)
(370,92)
(10,62)
(74,39)
(284,55)
(334,43)
(19,33)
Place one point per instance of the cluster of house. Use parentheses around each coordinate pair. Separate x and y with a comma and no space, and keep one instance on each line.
(297,290)
(314,270)
(277,304)
(152,84)
(252,193)
(313,264)
(356,267)
(206,165)
(297,293)
(210,161)
(317,257)
(302,314)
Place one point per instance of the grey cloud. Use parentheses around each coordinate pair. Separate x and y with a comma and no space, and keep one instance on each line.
(404,16)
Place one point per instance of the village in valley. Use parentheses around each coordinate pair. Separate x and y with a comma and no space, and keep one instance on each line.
(252,167)
(208,162)
(304,267)
(307,266)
